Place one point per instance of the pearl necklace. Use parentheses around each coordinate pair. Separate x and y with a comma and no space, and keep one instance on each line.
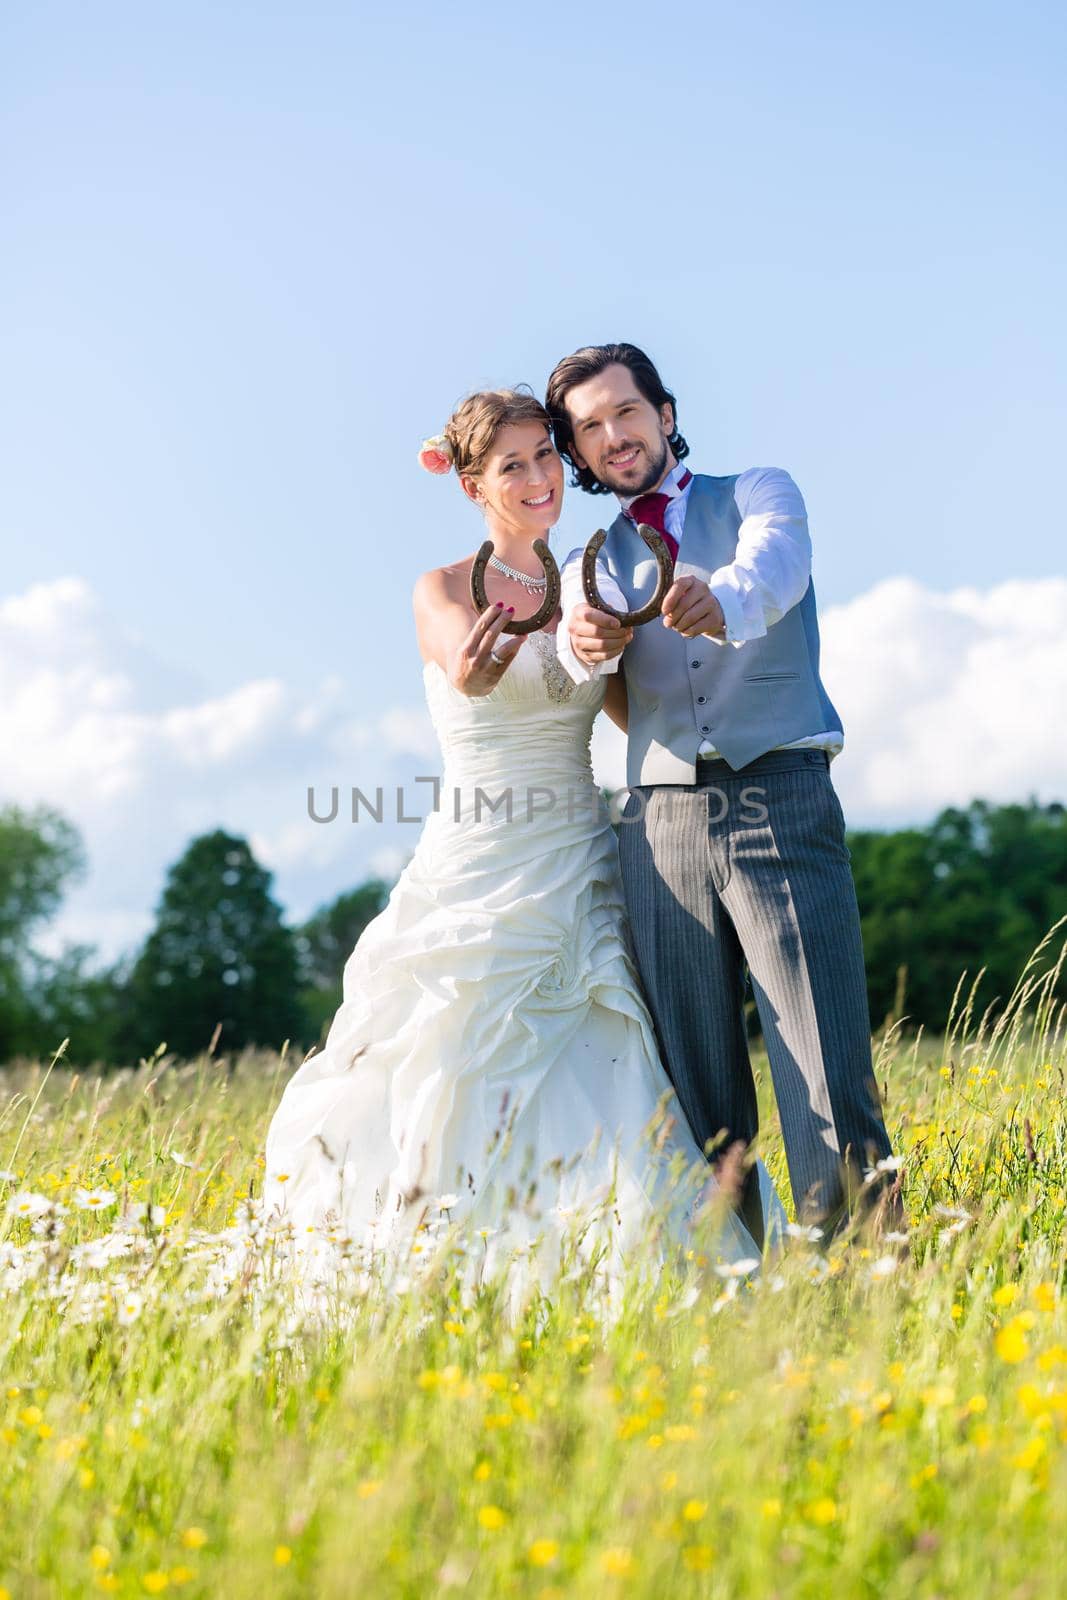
(531,584)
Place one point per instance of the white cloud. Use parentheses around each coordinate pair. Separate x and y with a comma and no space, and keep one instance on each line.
(141,758)
(948,697)
(944,697)
(218,730)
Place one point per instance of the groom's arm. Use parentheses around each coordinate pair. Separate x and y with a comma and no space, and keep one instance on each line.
(771,568)
(572,596)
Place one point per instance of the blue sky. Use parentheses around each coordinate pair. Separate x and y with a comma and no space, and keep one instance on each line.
(251,255)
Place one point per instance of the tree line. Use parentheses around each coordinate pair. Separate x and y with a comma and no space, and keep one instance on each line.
(978,887)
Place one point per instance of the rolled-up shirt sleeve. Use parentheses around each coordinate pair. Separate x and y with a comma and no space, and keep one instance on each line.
(771,568)
(572,594)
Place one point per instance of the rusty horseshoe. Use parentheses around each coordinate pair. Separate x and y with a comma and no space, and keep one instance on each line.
(545,611)
(664,561)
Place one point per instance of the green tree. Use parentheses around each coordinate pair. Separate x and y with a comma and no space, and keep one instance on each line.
(71,997)
(40,853)
(978,887)
(219,956)
(324,944)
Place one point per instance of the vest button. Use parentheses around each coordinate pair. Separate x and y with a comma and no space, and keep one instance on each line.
(701,698)
(694,664)
(705,728)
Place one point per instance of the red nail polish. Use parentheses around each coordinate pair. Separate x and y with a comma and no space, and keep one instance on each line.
(500,605)
(510,610)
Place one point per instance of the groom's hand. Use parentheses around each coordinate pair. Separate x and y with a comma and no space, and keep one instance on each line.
(596,635)
(690,608)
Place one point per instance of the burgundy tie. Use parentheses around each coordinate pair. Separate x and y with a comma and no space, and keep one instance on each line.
(652,508)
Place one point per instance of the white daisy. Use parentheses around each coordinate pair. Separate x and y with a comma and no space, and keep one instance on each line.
(737,1269)
(28,1204)
(129,1307)
(796,1230)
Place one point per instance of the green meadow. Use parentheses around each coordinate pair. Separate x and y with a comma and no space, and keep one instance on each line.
(864,1417)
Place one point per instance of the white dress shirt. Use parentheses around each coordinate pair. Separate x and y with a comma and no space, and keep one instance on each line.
(769,574)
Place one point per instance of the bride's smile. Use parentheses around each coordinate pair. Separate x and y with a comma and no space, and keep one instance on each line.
(519,489)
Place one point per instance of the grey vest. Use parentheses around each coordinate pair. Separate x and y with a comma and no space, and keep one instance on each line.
(747,699)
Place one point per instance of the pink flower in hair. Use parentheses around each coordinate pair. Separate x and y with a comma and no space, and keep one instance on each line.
(436,454)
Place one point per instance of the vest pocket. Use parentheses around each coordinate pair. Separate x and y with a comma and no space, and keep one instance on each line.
(768,677)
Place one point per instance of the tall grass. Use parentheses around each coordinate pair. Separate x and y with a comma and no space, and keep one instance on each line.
(861,1420)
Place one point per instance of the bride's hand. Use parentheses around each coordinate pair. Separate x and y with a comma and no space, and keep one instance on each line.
(479,664)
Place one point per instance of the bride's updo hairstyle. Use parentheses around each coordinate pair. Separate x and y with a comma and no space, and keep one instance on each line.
(472,428)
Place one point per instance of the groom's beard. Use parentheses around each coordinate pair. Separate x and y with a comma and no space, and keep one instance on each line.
(655,471)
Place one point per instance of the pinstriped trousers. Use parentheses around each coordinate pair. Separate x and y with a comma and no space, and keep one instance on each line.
(750,867)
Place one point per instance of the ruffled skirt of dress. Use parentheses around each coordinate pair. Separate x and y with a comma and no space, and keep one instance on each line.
(493,1051)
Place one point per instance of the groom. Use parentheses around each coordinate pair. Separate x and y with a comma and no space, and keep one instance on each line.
(732,840)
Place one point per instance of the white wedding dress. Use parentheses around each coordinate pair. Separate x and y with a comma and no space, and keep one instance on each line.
(493,1049)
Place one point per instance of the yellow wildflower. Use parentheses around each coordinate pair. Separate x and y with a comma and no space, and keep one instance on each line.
(822,1511)
(1031,1400)
(542,1552)
(1011,1343)
(1031,1454)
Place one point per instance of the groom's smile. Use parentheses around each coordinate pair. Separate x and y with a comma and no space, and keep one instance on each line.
(619,434)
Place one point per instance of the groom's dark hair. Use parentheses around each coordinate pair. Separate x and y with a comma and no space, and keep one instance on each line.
(588,363)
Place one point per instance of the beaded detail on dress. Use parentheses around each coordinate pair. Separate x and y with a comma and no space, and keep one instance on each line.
(559,685)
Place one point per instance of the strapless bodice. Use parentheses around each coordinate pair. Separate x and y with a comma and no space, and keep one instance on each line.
(532,729)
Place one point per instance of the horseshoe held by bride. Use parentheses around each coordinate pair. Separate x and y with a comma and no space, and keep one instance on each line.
(545,611)
(664,561)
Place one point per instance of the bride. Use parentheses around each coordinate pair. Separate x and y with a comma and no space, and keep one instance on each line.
(493,1058)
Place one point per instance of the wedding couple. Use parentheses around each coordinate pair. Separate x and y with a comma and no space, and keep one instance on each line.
(538,992)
